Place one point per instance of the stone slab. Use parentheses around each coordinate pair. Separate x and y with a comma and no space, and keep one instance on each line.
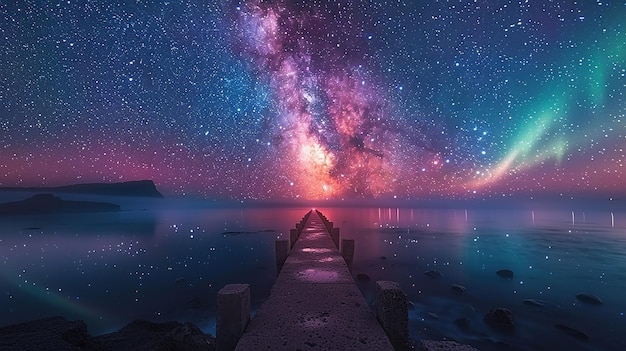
(315,303)
(314,317)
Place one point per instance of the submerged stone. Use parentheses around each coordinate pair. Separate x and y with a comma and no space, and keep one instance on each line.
(433,273)
(589,298)
(432,345)
(539,303)
(505,273)
(458,288)
(500,319)
(578,334)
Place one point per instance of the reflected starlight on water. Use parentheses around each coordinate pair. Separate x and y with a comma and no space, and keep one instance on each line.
(110,275)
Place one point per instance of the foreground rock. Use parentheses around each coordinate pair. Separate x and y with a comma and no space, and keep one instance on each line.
(500,319)
(144,335)
(59,334)
(432,345)
(54,333)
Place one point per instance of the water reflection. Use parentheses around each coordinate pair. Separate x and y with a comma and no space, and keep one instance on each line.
(159,264)
(169,262)
(552,256)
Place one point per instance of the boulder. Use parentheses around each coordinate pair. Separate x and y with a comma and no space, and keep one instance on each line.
(589,298)
(433,273)
(500,319)
(540,303)
(505,273)
(572,331)
(458,288)
(432,345)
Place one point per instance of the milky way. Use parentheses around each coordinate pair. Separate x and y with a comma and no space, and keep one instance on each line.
(316,99)
(332,126)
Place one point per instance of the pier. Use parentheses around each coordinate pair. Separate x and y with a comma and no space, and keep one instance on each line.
(314,303)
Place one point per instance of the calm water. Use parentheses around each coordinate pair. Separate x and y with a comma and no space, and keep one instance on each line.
(167,262)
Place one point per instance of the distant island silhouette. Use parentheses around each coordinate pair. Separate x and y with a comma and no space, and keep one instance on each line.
(142,188)
(51,204)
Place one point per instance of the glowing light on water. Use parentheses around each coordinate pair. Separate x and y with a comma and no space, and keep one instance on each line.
(612,220)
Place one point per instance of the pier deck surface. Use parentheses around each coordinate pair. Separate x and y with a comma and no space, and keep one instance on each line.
(315,303)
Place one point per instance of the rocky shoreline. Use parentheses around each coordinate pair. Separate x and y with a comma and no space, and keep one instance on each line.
(59,334)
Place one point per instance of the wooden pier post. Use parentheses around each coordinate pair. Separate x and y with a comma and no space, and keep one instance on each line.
(334,234)
(329,226)
(282,251)
(293,236)
(233,315)
(392,311)
(347,251)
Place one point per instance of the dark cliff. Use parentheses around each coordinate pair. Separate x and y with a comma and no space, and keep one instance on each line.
(143,188)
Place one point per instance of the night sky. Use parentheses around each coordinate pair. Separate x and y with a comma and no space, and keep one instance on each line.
(316,99)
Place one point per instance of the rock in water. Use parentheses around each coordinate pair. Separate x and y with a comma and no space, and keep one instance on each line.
(539,303)
(500,319)
(589,298)
(432,345)
(573,332)
(458,288)
(505,273)
(433,273)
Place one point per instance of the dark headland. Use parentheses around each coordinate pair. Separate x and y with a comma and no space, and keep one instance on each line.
(140,188)
(51,204)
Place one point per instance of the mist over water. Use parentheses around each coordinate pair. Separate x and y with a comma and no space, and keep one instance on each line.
(166,260)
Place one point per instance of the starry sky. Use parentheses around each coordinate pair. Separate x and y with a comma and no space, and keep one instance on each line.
(294,99)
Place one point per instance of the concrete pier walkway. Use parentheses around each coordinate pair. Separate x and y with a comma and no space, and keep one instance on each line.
(314,304)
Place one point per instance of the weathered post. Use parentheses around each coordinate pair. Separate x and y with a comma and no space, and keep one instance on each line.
(392,311)
(293,236)
(233,315)
(329,226)
(347,251)
(334,234)
(299,227)
(282,251)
